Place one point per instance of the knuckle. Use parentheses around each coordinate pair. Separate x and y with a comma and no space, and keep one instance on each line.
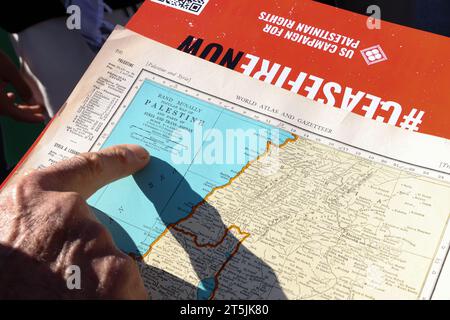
(25,188)
(122,262)
(93,162)
(98,232)
(119,272)
(32,177)
(121,154)
(21,186)
(122,266)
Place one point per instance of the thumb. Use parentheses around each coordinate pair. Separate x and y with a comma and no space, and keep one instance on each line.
(88,172)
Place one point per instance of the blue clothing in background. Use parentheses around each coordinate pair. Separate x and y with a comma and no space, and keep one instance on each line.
(94,28)
(433,16)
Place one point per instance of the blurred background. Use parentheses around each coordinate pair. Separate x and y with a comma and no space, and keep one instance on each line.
(49,54)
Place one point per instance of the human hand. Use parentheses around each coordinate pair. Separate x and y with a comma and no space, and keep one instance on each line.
(28,111)
(47,227)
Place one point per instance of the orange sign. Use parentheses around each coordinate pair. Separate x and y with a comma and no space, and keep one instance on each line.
(396,75)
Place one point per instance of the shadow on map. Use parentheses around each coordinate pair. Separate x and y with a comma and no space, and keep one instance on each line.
(153,276)
(249,277)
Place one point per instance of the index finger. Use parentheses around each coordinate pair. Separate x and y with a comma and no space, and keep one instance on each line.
(88,172)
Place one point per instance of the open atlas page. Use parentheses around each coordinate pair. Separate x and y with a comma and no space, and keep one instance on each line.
(254,192)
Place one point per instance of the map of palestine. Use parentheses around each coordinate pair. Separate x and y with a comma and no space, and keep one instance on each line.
(296,220)
(326,225)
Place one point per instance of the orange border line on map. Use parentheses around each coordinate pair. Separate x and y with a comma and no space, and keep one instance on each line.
(216,276)
(194,209)
(211,245)
(172,225)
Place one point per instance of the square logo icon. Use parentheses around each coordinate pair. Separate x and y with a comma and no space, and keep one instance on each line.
(374,55)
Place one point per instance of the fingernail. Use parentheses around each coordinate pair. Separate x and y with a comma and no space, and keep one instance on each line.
(139,152)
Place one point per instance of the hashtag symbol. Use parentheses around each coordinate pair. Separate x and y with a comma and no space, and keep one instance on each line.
(412,120)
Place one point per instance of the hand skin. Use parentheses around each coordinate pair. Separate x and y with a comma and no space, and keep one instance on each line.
(46,227)
(28,111)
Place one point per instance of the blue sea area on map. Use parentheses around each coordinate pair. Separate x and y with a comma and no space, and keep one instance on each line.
(137,209)
(206,288)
